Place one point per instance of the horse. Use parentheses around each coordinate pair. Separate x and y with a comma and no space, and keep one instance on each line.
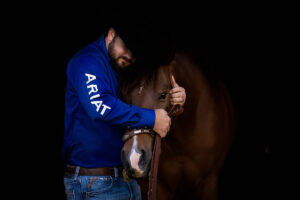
(194,150)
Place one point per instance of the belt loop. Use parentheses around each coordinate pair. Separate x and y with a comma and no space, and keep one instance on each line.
(76,172)
(116,173)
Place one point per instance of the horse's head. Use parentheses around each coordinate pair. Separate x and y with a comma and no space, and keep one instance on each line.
(147,90)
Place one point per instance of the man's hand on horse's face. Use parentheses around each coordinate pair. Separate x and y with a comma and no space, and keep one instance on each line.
(177,93)
(162,122)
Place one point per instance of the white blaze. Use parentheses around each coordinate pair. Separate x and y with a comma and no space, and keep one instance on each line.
(135,156)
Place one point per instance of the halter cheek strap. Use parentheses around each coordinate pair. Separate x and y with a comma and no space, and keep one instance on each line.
(173,112)
(176,110)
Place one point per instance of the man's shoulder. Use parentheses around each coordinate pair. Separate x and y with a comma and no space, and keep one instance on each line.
(87,57)
(88,53)
(91,50)
(91,58)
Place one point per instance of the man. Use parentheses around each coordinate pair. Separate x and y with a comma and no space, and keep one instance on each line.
(95,119)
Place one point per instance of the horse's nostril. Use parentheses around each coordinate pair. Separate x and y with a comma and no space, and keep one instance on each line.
(143,156)
(142,161)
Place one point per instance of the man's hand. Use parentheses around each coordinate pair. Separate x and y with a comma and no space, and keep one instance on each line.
(162,122)
(177,93)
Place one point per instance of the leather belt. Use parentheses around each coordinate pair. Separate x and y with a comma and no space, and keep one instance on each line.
(101,171)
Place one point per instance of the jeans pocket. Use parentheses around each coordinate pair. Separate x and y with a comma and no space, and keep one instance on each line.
(69,184)
(99,184)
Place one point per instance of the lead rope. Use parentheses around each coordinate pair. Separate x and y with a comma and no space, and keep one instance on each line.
(154,168)
(152,189)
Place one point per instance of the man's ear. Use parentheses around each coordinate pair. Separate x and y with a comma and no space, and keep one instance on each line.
(111,34)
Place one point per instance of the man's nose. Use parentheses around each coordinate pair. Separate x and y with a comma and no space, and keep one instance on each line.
(128,60)
(128,54)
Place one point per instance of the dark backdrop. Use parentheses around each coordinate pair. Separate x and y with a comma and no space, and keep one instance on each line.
(238,45)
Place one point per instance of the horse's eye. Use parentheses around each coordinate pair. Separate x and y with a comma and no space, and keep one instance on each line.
(163,95)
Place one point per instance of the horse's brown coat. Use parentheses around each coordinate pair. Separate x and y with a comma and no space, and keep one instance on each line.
(195,148)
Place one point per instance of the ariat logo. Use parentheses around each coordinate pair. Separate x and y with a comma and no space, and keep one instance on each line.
(94,94)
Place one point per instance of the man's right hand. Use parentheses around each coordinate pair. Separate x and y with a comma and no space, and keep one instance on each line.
(162,122)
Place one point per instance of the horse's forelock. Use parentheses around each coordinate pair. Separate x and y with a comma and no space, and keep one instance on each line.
(134,76)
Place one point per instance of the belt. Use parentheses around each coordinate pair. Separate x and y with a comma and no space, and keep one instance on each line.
(101,171)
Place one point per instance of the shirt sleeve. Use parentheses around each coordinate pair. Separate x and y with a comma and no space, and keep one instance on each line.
(89,78)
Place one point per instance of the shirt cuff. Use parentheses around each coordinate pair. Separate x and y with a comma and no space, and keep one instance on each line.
(148,118)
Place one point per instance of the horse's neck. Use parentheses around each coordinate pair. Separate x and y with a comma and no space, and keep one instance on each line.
(199,94)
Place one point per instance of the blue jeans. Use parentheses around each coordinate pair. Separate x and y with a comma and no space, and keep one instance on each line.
(101,187)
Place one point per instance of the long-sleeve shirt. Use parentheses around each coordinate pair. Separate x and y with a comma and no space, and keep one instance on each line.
(95,117)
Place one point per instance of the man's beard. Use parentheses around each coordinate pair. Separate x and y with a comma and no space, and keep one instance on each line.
(113,59)
(114,64)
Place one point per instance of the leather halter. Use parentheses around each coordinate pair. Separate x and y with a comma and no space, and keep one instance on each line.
(173,112)
(130,133)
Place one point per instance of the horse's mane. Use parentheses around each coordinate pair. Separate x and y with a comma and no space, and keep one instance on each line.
(146,67)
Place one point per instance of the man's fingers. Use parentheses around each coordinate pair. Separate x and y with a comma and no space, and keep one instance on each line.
(176,89)
(177,99)
(177,94)
(174,84)
(176,104)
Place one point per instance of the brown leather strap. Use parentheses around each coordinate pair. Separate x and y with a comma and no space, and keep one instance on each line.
(154,168)
(102,171)
(152,190)
(132,132)
(176,110)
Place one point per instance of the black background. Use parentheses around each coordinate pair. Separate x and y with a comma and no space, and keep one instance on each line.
(239,43)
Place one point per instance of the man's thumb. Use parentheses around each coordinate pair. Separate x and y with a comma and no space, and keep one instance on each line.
(174,84)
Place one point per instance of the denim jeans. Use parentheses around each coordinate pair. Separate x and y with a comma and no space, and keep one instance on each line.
(101,187)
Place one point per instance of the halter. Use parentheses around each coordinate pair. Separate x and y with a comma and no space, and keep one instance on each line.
(130,133)
(174,111)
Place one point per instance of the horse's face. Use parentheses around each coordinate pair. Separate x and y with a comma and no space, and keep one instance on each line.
(137,151)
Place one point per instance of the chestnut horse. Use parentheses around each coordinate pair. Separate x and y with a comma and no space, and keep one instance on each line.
(193,152)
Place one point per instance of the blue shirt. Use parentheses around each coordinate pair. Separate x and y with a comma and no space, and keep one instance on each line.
(95,117)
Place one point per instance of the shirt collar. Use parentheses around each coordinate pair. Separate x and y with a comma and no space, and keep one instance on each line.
(101,43)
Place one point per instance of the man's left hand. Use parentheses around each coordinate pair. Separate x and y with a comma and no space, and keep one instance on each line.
(177,93)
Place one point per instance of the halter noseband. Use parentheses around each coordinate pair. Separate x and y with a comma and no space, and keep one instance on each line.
(130,133)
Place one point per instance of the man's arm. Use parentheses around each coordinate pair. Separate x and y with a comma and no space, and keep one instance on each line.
(91,83)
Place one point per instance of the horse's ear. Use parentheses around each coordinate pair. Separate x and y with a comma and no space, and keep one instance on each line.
(173,63)
(172,66)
